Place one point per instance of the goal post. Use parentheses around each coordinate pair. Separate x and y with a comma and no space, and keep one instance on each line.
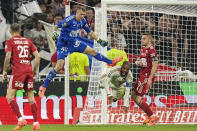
(148,2)
(172,24)
(66,76)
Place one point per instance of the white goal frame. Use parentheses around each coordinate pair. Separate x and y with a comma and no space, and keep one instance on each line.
(103,35)
(105,3)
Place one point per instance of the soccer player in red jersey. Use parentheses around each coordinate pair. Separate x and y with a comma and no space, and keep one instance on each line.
(18,50)
(148,62)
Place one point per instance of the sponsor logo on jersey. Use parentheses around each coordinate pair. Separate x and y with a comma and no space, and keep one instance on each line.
(24,61)
(74,33)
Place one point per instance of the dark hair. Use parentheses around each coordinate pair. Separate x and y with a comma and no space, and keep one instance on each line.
(126,63)
(15,27)
(58,14)
(90,9)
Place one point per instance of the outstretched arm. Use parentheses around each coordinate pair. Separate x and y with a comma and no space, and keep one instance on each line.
(6,65)
(126,98)
(93,36)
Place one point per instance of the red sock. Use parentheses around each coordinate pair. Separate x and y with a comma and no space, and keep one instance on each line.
(145,108)
(14,107)
(34,111)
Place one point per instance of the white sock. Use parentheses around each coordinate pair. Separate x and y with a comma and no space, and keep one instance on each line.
(20,119)
(152,116)
(35,123)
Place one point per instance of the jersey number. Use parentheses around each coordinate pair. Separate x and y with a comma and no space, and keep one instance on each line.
(23,51)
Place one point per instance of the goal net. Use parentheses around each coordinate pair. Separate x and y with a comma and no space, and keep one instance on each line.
(173,95)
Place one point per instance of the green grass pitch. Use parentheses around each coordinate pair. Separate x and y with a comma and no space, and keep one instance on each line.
(105,128)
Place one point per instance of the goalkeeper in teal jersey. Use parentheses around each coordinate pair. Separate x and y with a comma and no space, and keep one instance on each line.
(119,79)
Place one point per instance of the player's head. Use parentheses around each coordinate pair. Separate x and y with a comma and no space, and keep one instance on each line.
(58,17)
(80,13)
(146,39)
(125,68)
(15,29)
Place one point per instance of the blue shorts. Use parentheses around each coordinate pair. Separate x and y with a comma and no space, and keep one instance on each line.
(70,47)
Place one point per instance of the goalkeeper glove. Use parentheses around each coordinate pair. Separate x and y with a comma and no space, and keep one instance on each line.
(55,36)
(103,43)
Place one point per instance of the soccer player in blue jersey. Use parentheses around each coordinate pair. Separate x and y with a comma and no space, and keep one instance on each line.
(68,43)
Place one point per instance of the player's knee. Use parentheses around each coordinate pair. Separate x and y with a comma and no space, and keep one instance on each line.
(137,100)
(30,96)
(10,93)
(31,100)
(9,96)
(59,66)
(133,95)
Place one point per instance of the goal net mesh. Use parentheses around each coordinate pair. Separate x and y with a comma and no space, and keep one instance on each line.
(173,95)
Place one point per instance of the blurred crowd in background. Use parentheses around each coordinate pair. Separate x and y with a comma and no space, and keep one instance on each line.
(174,36)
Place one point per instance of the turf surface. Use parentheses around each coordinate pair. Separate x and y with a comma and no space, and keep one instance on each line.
(105,128)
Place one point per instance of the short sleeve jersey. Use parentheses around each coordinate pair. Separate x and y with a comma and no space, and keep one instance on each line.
(21,49)
(147,56)
(70,27)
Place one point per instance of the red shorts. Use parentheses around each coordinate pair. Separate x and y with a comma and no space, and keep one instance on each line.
(140,87)
(21,81)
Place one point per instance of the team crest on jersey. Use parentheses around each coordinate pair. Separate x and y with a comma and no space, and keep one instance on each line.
(74,22)
(77,43)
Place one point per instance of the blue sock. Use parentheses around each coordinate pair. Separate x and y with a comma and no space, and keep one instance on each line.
(100,57)
(49,77)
